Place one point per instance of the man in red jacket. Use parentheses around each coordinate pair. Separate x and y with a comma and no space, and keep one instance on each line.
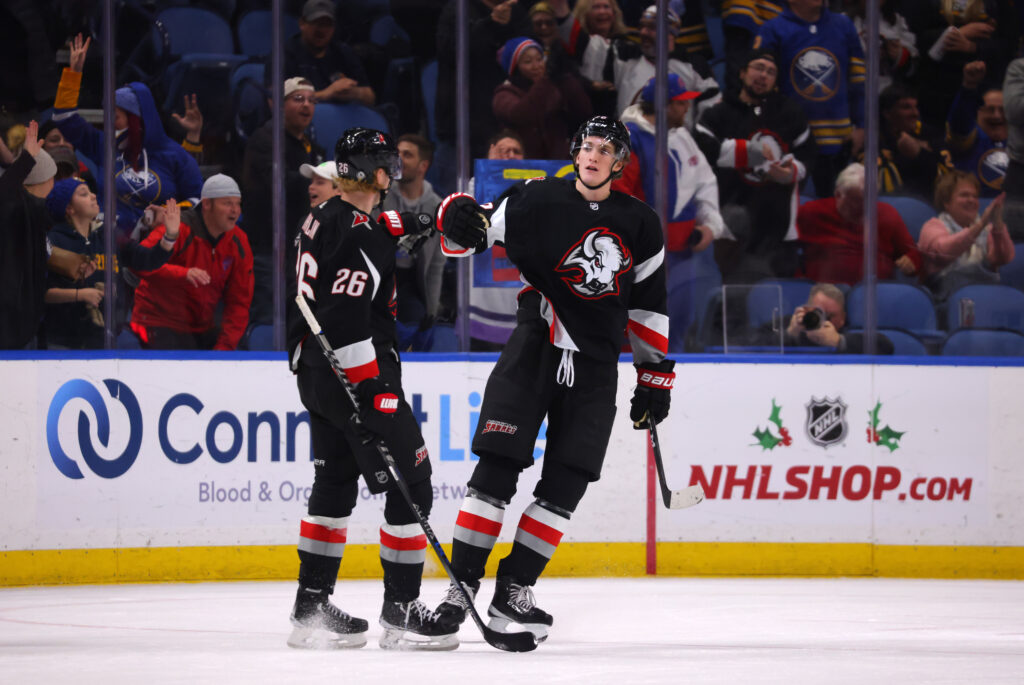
(831,231)
(175,305)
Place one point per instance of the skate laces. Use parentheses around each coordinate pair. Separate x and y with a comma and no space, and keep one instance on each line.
(521,597)
(421,611)
(456,598)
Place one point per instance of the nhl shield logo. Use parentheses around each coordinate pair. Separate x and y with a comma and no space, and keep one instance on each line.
(826,421)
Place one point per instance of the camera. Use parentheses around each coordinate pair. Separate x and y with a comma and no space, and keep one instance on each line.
(813,318)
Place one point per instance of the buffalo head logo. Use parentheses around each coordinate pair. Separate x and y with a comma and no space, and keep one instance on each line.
(593,265)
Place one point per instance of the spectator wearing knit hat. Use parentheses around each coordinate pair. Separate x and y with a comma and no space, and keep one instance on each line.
(150,167)
(175,305)
(74,318)
(544,110)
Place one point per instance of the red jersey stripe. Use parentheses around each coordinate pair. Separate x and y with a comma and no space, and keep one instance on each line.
(360,373)
(652,338)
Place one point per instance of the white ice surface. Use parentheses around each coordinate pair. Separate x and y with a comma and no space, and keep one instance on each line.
(631,630)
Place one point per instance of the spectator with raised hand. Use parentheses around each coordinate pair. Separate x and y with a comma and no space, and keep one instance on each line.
(543,108)
(910,155)
(976,130)
(588,33)
(192,123)
(951,34)
(176,305)
(958,246)
(149,166)
(898,55)
(74,318)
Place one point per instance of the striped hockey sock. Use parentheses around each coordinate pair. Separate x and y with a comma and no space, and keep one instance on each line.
(540,530)
(321,546)
(403,549)
(476,530)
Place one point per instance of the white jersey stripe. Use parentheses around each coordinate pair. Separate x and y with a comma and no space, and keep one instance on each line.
(374,274)
(357,354)
(646,269)
(650,320)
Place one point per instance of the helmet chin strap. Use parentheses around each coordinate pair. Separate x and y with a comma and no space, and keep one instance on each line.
(611,176)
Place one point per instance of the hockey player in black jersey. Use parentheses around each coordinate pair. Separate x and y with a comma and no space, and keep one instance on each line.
(592,265)
(346,270)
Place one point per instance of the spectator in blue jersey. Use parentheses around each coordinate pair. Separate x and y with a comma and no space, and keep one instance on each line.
(1013,103)
(911,155)
(821,66)
(976,130)
(150,167)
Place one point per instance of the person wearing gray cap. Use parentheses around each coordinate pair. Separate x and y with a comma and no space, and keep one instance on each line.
(175,305)
(333,67)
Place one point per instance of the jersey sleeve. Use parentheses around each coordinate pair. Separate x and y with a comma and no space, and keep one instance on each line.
(647,329)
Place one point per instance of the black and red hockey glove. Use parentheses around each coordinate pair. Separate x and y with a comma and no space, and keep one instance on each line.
(462,221)
(410,229)
(377,406)
(652,395)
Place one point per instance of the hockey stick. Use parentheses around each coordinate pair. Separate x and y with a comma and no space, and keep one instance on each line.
(674,499)
(510,642)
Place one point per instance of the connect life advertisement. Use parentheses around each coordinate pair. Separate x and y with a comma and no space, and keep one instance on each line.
(106,453)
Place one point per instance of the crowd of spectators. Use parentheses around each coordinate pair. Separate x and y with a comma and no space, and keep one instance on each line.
(766,139)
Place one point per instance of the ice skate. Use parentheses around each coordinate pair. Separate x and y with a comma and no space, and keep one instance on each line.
(321,625)
(514,603)
(453,607)
(411,625)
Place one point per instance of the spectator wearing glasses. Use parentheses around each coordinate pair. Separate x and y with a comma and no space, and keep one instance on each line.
(299,149)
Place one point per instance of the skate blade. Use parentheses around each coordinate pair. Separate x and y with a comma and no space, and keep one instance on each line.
(400,639)
(318,638)
(501,624)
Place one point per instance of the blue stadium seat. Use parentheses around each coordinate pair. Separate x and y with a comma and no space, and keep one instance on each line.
(255,32)
(249,99)
(197,48)
(913,211)
(977,342)
(763,299)
(994,306)
(1012,274)
(260,338)
(385,29)
(899,305)
(903,343)
(330,120)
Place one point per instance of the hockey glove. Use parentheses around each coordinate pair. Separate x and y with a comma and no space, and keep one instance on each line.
(652,395)
(377,406)
(463,222)
(410,229)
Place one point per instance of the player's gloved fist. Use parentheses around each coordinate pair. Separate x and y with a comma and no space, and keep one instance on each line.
(462,222)
(405,223)
(377,405)
(652,395)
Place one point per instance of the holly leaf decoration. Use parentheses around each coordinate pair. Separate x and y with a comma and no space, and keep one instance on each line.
(765,439)
(776,416)
(887,437)
(874,415)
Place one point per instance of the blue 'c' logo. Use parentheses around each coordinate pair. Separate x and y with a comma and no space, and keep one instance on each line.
(106,468)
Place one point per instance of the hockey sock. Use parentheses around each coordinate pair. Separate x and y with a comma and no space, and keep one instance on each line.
(403,549)
(540,530)
(321,546)
(476,531)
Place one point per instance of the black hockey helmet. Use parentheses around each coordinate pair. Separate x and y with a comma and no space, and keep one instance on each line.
(611,130)
(359,152)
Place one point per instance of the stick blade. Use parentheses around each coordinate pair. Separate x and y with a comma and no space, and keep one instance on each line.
(687,497)
(510,642)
